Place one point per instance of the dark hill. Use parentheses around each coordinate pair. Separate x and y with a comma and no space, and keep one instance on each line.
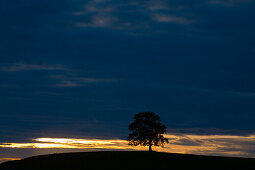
(131,160)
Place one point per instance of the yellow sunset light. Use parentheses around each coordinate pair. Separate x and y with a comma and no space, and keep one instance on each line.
(178,143)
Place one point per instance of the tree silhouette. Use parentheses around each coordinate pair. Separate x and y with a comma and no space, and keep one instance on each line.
(147,130)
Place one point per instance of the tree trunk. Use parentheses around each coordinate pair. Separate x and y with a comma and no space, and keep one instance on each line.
(150,150)
(150,144)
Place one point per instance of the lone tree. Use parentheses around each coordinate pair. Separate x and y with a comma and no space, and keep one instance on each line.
(147,130)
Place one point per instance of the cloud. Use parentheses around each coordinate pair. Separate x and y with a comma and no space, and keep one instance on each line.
(71,143)
(226,145)
(99,21)
(95,80)
(92,7)
(156,5)
(173,19)
(112,14)
(98,15)
(66,78)
(76,81)
(221,145)
(16,67)
(8,159)
(67,83)
(125,16)
(228,2)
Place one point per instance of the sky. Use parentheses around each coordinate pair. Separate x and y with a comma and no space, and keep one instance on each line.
(81,69)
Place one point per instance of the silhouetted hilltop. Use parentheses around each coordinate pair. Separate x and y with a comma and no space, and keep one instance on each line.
(128,160)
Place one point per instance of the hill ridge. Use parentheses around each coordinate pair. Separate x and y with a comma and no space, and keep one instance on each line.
(128,160)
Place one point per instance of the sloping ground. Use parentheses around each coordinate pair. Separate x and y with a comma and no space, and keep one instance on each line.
(128,160)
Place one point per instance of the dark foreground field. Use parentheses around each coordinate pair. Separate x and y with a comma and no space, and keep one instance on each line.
(128,160)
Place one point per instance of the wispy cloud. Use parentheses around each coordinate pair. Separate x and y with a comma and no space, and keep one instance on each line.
(114,15)
(100,15)
(171,19)
(156,5)
(66,78)
(92,6)
(71,143)
(99,21)
(16,67)
(228,2)
(222,145)
(8,159)
(67,83)
(94,80)
(73,81)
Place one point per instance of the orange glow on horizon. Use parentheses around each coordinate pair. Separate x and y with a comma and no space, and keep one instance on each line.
(10,159)
(78,141)
(71,143)
(227,145)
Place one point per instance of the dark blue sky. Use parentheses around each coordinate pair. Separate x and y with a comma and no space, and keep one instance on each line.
(84,68)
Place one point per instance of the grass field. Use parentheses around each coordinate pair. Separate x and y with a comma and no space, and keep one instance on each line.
(128,160)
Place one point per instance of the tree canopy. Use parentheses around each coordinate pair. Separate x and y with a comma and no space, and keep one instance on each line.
(147,130)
